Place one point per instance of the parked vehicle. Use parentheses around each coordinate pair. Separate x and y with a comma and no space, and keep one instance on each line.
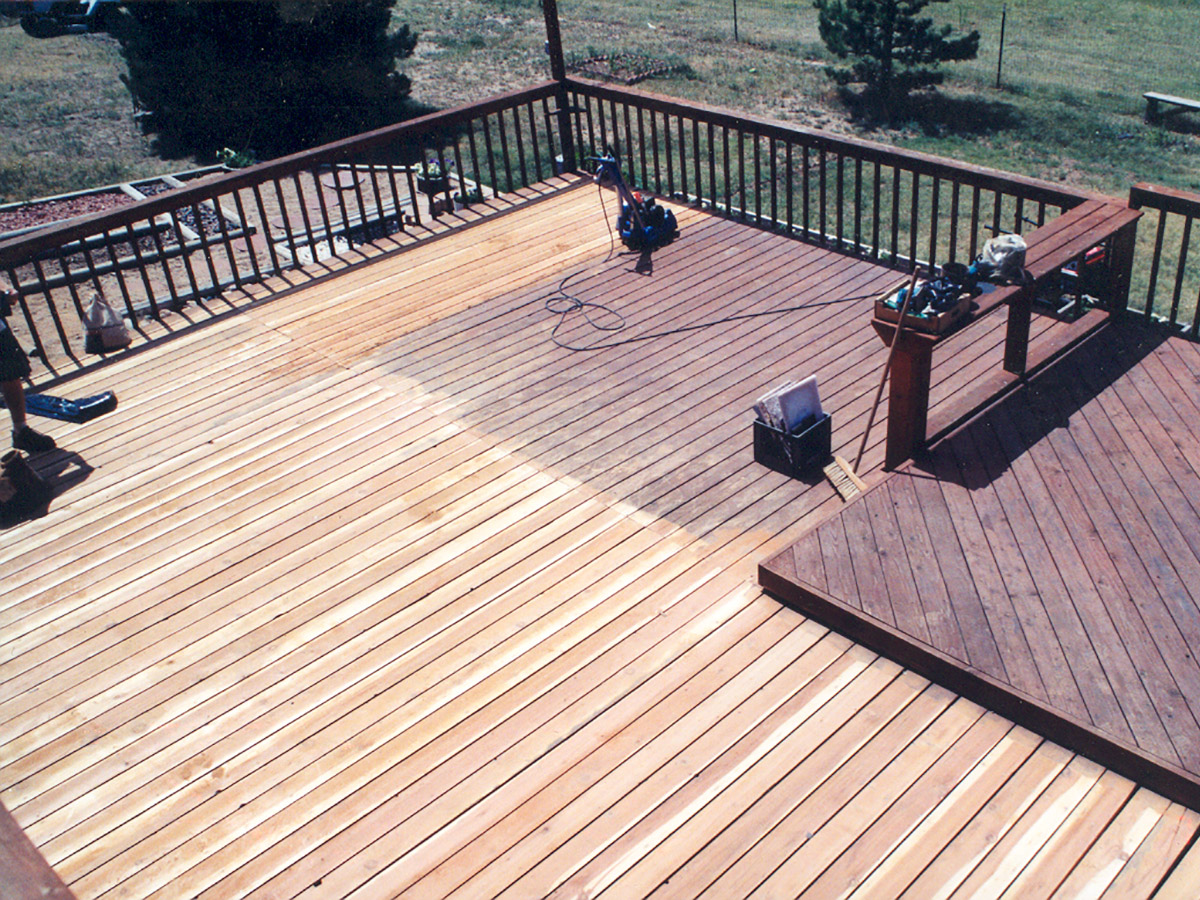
(51,18)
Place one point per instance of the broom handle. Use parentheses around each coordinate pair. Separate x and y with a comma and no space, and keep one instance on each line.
(887,367)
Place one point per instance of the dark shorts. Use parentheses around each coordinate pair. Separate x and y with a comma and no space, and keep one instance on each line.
(13,362)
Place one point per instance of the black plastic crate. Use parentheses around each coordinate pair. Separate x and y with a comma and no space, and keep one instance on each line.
(796,455)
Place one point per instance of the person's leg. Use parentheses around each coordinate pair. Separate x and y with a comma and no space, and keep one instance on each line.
(14,398)
(23,437)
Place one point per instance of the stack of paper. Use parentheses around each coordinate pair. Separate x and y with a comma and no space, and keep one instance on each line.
(791,405)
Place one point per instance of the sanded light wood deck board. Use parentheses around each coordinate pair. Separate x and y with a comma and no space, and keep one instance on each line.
(1051,548)
(372,590)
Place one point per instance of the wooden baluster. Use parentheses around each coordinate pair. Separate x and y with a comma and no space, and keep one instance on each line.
(757,138)
(914,223)
(363,217)
(136,252)
(822,210)
(934,197)
(712,165)
(742,171)
(895,245)
(302,202)
(535,144)
(804,191)
(516,112)
(876,211)
(508,179)
(953,251)
(491,157)
(841,201)
(548,124)
(683,181)
(44,288)
(324,214)
(630,155)
(669,155)
(186,255)
(264,224)
(696,161)
(774,183)
(974,250)
(341,200)
(858,178)
(473,149)
(119,272)
(1154,263)
(1180,270)
(789,188)
(237,202)
(18,289)
(658,182)
(205,246)
(397,205)
(641,128)
(227,243)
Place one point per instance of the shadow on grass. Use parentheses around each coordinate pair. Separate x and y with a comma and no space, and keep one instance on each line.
(937,114)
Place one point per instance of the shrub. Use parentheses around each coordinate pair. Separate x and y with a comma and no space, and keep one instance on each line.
(272,77)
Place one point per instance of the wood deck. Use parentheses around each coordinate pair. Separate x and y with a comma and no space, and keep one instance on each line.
(372,590)
(1051,549)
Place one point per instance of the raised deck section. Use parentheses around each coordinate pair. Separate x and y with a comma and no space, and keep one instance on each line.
(1045,559)
(372,589)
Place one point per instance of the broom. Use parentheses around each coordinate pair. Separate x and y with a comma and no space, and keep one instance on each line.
(840,473)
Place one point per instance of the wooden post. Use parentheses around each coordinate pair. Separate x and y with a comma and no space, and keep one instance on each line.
(1121,272)
(558,71)
(908,391)
(1016,341)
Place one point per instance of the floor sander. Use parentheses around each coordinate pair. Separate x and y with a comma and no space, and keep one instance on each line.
(642,223)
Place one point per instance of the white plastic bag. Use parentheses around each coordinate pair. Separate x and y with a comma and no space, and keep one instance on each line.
(104,330)
(1003,257)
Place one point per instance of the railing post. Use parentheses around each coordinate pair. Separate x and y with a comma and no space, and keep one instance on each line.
(1124,243)
(558,71)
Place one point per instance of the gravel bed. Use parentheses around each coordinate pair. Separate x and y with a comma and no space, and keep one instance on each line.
(55,210)
(210,224)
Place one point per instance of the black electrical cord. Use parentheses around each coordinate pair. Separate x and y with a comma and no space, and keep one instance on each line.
(562,303)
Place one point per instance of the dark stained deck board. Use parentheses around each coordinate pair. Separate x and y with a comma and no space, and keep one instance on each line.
(309,620)
(1068,525)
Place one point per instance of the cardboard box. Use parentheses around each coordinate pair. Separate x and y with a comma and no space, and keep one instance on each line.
(935,324)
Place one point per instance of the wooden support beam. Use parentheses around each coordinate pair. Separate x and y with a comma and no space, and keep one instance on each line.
(1016,340)
(908,392)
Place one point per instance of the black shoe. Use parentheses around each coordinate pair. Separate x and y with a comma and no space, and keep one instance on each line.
(25,438)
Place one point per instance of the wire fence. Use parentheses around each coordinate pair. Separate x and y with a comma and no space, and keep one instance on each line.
(1113,51)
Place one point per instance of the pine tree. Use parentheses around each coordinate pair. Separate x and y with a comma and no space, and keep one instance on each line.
(273,76)
(893,49)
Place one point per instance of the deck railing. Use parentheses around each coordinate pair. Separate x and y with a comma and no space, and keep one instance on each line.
(1171,288)
(242,227)
(893,206)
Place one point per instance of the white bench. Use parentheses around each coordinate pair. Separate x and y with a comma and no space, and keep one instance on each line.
(1154,99)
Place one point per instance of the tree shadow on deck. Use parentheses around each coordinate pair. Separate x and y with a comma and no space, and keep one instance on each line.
(979,452)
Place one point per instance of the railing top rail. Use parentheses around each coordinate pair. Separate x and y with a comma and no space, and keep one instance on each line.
(1167,199)
(17,250)
(910,160)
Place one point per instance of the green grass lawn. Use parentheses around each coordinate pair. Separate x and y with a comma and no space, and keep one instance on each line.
(65,117)
(1069,107)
